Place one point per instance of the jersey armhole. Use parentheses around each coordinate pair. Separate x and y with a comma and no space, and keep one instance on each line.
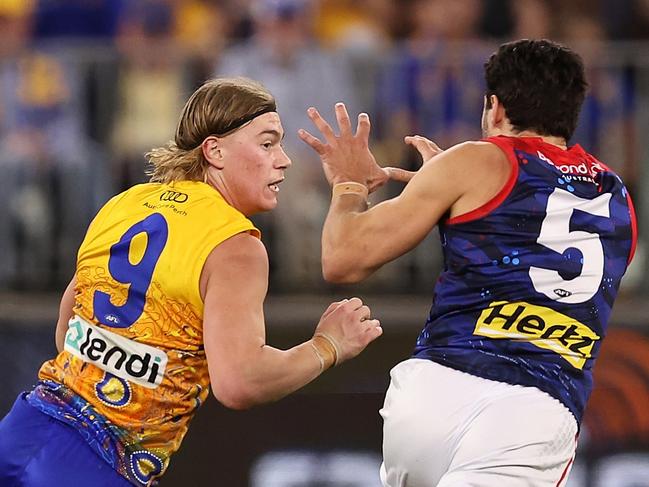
(232,230)
(97,220)
(501,196)
(634,227)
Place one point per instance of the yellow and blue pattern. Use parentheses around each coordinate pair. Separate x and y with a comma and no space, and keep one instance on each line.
(138,370)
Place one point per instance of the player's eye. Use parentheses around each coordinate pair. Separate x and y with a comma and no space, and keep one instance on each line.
(267,145)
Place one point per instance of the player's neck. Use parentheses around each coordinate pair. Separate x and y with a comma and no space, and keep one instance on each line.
(548,139)
(508,130)
(215,179)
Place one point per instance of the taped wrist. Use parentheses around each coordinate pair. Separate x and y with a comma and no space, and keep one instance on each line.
(350,187)
(326,350)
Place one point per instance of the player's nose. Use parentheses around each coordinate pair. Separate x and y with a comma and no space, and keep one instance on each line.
(283,161)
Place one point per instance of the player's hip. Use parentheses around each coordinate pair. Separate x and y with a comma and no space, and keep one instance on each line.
(36,448)
(439,422)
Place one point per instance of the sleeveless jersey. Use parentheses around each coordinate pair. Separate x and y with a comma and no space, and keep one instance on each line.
(530,278)
(134,371)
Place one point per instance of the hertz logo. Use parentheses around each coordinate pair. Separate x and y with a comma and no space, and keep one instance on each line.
(175,196)
(540,326)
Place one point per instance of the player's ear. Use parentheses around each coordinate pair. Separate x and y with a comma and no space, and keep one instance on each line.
(497,111)
(213,151)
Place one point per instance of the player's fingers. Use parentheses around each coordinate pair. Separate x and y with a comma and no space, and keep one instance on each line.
(373,330)
(420,143)
(421,138)
(371,323)
(337,304)
(363,313)
(342,117)
(312,141)
(321,124)
(378,179)
(331,308)
(426,147)
(363,127)
(398,174)
(432,145)
(354,303)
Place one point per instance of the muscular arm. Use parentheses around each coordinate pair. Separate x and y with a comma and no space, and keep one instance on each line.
(356,242)
(244,370)
(65,313)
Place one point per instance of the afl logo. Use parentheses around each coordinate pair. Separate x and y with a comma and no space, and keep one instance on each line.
(174,196)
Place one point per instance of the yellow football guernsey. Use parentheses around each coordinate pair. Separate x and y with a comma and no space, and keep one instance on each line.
(133,371)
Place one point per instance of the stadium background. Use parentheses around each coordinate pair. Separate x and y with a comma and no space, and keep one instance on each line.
(87,86)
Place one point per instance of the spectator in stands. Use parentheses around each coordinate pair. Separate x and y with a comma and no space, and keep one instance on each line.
(46,160)
(350,24)
(362,30)
(15,18)
(622,19)
(284,57)
(432,86)
(532,19)
(151,86)
(200,30)
(606,122)
(77,19)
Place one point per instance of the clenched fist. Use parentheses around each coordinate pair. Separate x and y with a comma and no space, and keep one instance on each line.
(344,330)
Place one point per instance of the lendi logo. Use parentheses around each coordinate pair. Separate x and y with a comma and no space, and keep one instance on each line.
(124,358)
(175,196)
(540,326)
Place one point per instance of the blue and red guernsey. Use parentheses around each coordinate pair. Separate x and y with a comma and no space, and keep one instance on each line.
(530,278)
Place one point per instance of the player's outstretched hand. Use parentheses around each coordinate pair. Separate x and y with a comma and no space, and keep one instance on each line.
(346,156)
(426,148)
(348,325)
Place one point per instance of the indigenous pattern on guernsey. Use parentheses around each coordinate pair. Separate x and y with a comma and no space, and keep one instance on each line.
(133,371)
(530,278)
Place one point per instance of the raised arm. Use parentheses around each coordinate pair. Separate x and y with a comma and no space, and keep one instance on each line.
(356,240)
(244,370)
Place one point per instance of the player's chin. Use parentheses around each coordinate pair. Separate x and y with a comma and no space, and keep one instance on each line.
(268,204)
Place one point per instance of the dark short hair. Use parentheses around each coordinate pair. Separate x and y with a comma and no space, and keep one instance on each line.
(540,84)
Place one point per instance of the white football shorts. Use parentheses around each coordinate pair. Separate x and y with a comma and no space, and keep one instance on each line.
(446,428)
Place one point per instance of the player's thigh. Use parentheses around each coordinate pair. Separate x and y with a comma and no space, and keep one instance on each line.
(69,458)
(23,432)
(35,449)
(505,476)
(419,417)
(442,425)
(523,438)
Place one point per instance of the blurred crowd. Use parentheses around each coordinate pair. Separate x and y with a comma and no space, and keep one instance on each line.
(88,86)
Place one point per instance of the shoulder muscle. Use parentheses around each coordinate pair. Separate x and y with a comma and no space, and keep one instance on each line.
(239,263)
